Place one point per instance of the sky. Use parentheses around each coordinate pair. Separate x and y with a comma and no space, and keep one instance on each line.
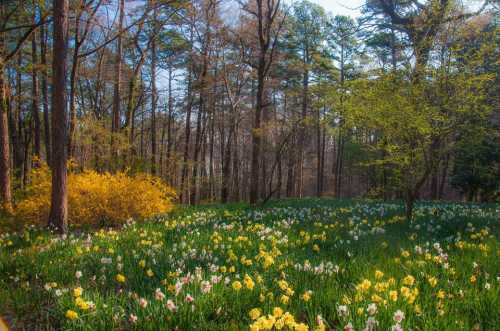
(341,7)
(351,7)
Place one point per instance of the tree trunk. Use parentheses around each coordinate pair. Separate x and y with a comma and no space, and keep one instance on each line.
(15,136)
(5,185)
(265,160)
(226,168)
(26,165)
(6,197)
(161,161)
(409,204)
(34,100)
(444,174)
(115,123)
(45,94)
(187,132)
(434,184)
(59,197)
(153,119)
(72,95)
(201,109)
(256,132)
(141,146)
(302,139)
(154,96)
(280,178)
(338,163)
(322,167)
(290,175)
(197,148)
(236,167)
(341,140)
(169,127)
(15,127)
(393,49)
(266,46)
(318,153)
(211,166)
(132,105)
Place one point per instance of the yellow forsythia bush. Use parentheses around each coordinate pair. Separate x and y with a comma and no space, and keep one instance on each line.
(94,197)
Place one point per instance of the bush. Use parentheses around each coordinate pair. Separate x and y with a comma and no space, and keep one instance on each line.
(95,198)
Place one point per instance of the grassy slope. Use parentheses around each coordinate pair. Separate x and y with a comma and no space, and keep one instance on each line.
(347,234)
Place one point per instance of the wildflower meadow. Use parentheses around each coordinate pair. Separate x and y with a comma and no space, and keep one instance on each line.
(309,264)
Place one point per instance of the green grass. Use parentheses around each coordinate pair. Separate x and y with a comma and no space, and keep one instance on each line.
(325,246)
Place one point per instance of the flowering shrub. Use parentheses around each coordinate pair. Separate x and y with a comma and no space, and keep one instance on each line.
(94,197)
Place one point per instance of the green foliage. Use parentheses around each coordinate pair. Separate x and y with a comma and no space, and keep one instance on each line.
(344,43)
(476,170)
(304,41)
(413,118)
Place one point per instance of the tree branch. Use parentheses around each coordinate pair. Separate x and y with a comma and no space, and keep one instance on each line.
(26,35)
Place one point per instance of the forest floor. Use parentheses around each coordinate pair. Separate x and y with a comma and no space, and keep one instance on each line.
(311,264)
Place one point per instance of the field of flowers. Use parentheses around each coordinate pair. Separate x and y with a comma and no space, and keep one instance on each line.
(294,265)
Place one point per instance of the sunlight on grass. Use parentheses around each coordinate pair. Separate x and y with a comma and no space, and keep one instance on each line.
(296,265)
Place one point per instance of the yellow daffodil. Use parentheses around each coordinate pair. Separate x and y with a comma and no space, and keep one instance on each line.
(71,314)
(237,285)
(77,292)
(120,278)
(255,313)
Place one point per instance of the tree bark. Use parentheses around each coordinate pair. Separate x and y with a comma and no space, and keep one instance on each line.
(154,92)
(257,134)
(169,127)
(226,170)
(266,15)
(302,139)
(4,142)
(5,184)
(115,122)
(45,94)
(202,98)
(211,165)
(34,99)
(444,173)
(26,165)
(72,95)
(17,128)
(187,131)
(59,197)
(318,153)
(409,203)
(236,167)
(15,134)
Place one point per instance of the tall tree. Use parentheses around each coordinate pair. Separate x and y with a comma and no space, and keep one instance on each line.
(344,45)
(208,10)
(421,22)
(34,93)
(116,112)
(154,92)
(84,14)
(4,130)
(45,93)
(58,217)
(5,56)
(266,19)
(307,37)
(184,184)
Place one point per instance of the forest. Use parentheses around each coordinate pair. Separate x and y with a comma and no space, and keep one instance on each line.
(281,100)
(148,145)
